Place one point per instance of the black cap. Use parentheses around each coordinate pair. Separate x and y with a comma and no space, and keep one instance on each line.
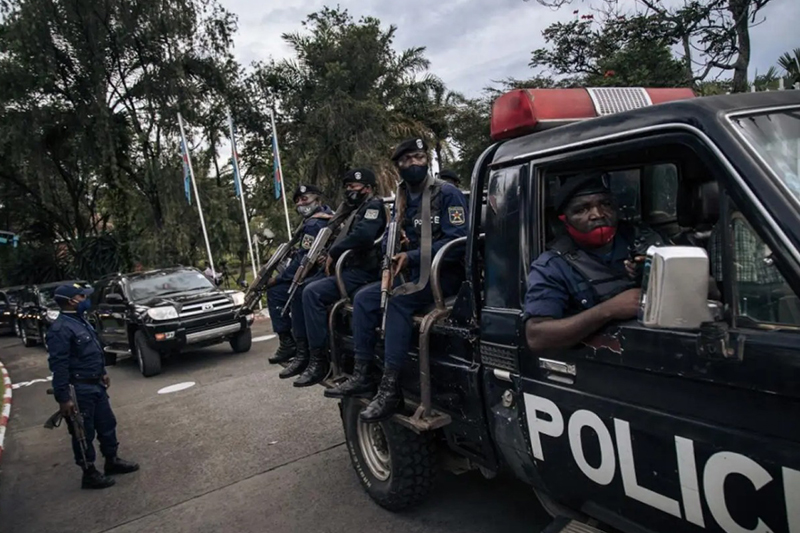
(448,174)
(359,175)
(68,292)
(581,185)
(305,189)
(409,145)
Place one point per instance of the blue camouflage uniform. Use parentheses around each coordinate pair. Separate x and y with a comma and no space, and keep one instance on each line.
(449,222)
(75,356)
(361,267)
(278,294)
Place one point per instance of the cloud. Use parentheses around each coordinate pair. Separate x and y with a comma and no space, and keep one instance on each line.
(470,43)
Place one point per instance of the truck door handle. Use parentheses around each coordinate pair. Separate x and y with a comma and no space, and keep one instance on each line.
(558,370)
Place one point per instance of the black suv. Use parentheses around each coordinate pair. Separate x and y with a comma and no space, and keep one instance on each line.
(154,314)
(37,310)
(9,297)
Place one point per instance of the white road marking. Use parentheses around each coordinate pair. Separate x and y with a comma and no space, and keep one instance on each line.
(177,387)
(31,382)
(264,338)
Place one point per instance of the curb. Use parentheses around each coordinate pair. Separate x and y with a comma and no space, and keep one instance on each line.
(6,413)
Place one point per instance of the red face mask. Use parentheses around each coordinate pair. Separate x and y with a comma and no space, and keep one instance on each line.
(596,238)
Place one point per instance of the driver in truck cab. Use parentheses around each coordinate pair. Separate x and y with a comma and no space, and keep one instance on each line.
(585,279)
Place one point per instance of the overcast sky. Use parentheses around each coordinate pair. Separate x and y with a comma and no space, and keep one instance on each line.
(469,42)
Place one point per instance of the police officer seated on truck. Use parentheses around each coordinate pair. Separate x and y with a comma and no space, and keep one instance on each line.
(448,222)
(586,278)
(309,204)
(359,233)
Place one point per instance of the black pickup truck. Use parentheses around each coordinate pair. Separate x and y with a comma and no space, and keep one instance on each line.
(9,297)
(683,420)
(154,314)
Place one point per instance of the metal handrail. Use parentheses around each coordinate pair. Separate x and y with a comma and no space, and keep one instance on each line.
(338,274)
(436,287)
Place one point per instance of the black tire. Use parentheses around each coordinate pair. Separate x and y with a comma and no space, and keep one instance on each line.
(43,337)
(27,341)
(402,469)
(243,341)
(149,359)
(17,329)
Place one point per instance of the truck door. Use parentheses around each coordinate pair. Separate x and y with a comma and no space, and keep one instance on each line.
(636,426)
(111,316)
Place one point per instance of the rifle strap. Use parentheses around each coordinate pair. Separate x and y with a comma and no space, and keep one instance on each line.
(346,227)
(426,244)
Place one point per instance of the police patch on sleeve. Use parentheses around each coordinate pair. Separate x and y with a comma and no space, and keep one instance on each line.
(307,241)
(456,215)
(371,214)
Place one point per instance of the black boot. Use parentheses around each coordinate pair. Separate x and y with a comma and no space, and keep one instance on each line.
(316,370)
(115,465)
(286,350)
(359,384)
(299,362)
(387,402)
(93,479)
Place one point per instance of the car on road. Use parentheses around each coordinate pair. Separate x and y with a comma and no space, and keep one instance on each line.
(37,310)
(684,419)
(8,309)
(152,315)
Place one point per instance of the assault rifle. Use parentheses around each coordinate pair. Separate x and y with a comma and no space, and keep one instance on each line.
(318,250)
(75,421)
(387,268)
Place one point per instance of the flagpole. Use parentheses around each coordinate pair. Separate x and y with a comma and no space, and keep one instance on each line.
(238,175)
(197,196)
(283,187)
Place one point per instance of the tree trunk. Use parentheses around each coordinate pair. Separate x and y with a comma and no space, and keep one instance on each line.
(740,10)
(438,150)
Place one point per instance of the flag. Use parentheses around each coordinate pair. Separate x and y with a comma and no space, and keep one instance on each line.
(276,164)
(237,179)
(186,175)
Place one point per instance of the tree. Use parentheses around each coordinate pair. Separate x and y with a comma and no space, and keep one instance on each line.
(790,62)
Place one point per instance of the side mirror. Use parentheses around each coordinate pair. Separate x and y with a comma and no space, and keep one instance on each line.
(114,298)
(675,288)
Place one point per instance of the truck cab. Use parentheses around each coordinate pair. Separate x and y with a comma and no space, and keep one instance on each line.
(682,420)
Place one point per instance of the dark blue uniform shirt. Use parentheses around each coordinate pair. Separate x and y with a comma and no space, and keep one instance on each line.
(555,287)
(363,233)
(74,350)
(311,227)
(453,216)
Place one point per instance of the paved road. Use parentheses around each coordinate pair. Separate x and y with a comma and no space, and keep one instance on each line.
(240,451)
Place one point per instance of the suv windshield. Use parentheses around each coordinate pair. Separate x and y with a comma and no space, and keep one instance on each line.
(46,297)
(162,283)
(776,138)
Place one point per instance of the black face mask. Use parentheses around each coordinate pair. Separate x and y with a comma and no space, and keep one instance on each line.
(354,198)
(415,174)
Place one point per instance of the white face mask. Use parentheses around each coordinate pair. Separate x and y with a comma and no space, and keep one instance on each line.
(306,211)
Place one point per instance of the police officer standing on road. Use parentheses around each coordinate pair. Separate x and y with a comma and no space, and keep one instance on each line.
(360,231)
(448,221)
(586,279)
(76,357)
(309,204)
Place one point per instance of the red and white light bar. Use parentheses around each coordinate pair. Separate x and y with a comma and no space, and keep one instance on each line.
(523,111)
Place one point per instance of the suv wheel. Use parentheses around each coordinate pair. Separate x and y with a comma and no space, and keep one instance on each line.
(396,466)
(149,359)
(43,336)
(27,341)
(242,341)
(17,330)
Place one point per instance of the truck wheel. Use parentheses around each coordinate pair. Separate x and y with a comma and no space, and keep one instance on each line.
(17,329)
(396,466)
(43,336)
(149,359)
(27,341)
(243,341)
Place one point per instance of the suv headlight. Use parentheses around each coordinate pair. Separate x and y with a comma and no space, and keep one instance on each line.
(52,315)
(162,313)
(238,298)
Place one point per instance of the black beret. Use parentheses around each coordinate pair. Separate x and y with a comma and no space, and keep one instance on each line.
(409,145)
(581,185)
(449,174)
(305,189)
(360,175)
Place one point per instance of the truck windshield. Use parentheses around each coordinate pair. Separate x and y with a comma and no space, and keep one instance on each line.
(46,298)
(163,283)
(776,138)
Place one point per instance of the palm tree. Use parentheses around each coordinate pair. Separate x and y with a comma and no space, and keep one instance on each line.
(790,62)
